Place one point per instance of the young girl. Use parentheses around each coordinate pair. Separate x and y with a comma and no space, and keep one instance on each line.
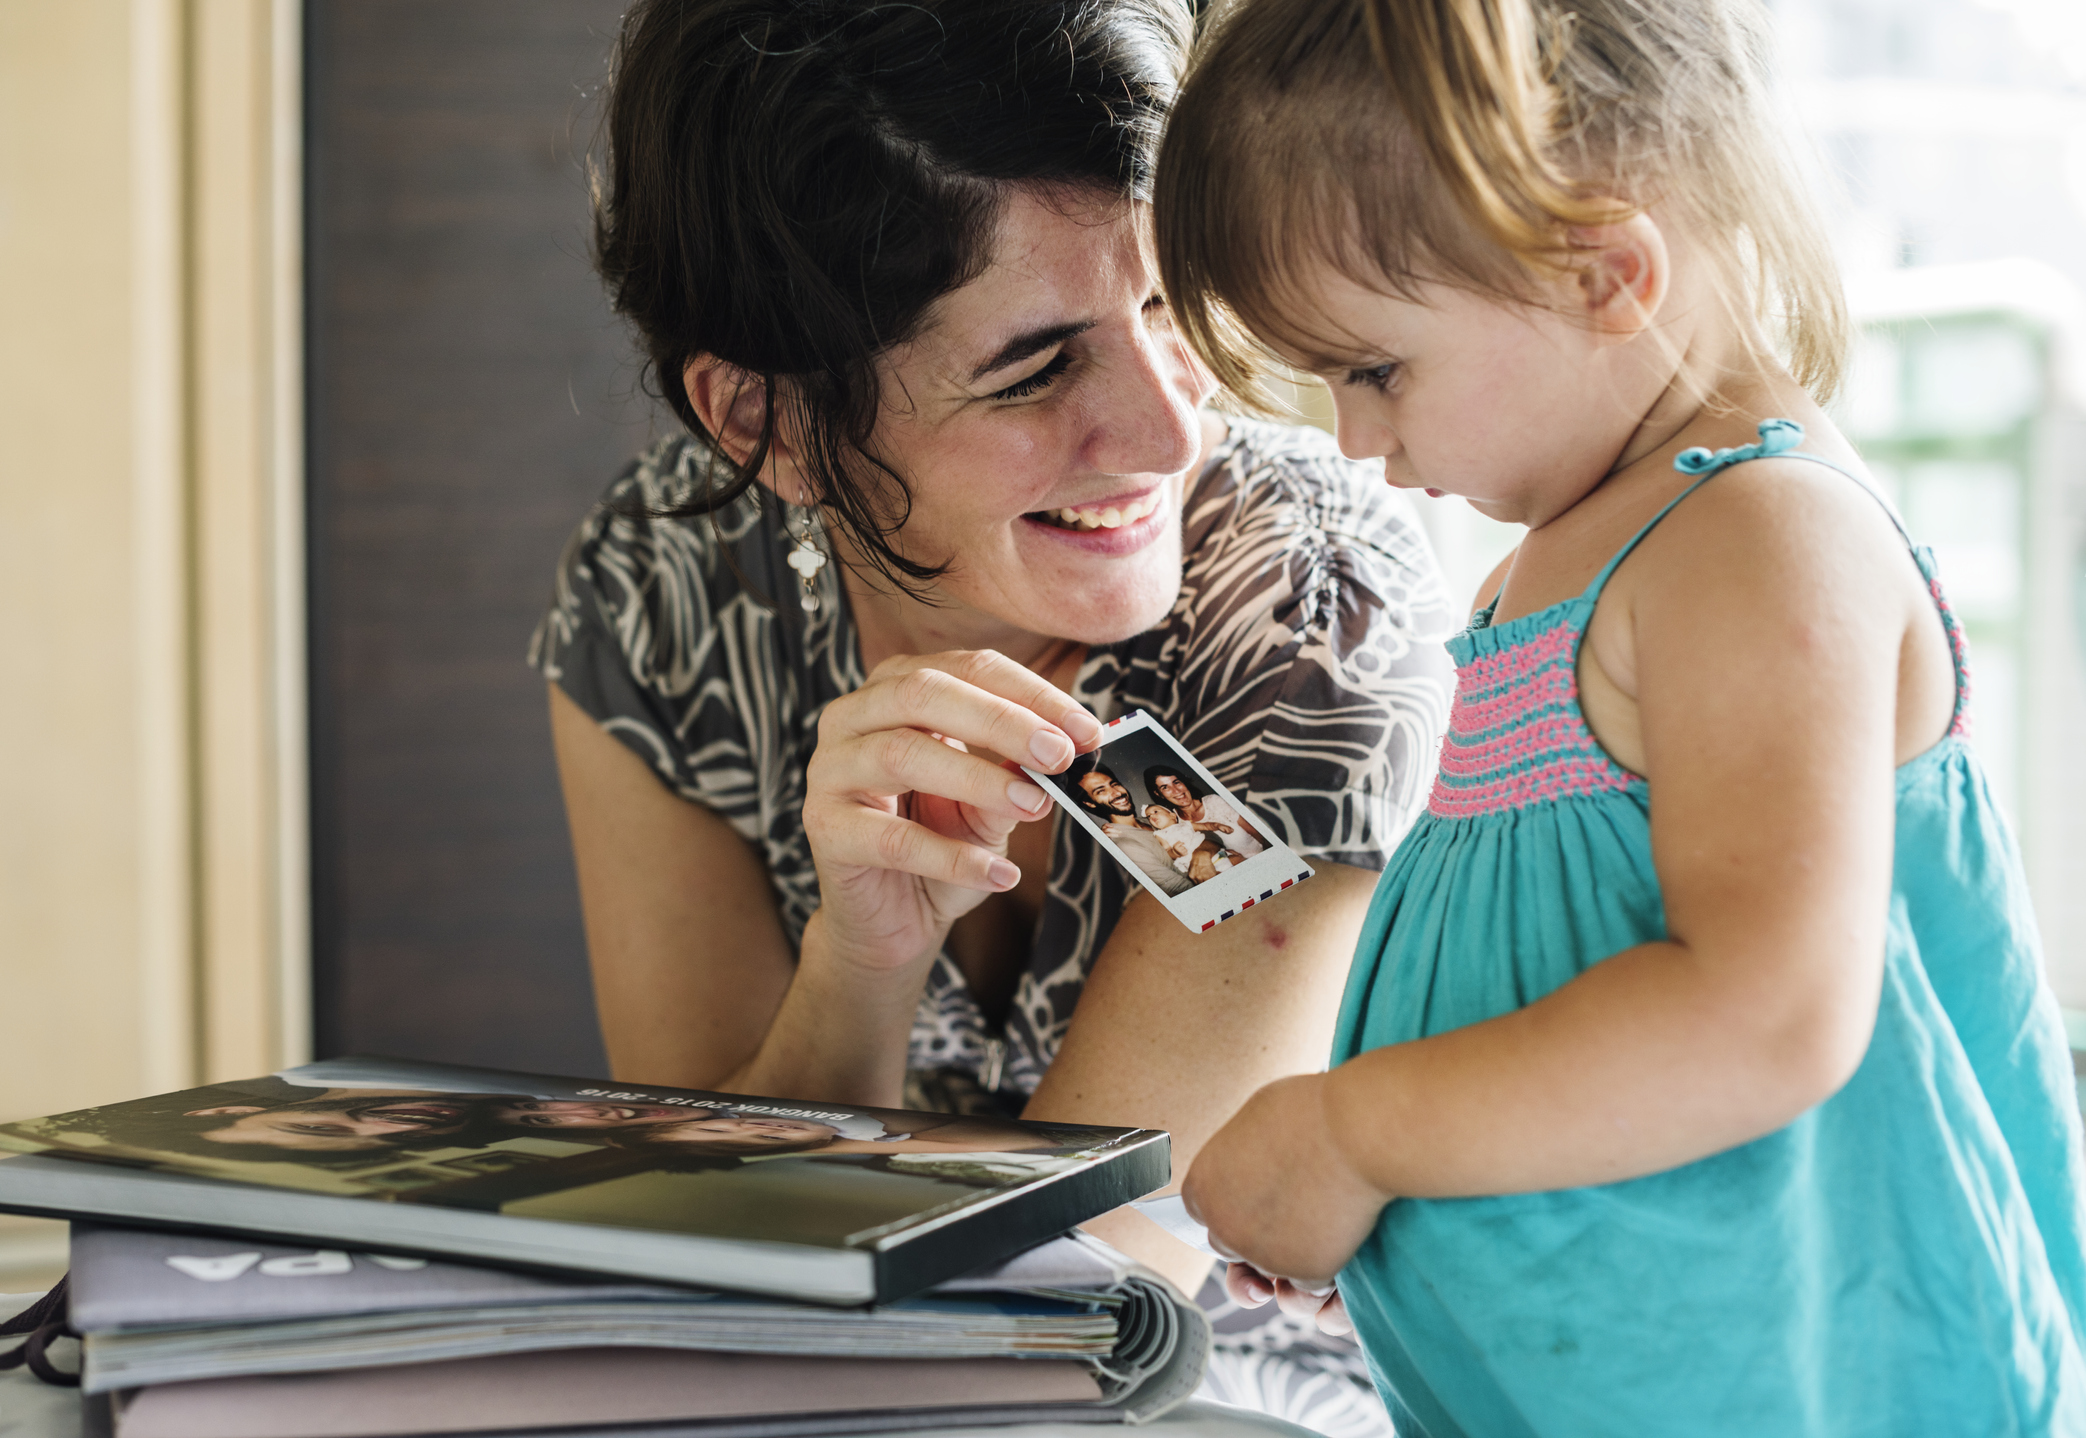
(1696,1073)
(1184,837)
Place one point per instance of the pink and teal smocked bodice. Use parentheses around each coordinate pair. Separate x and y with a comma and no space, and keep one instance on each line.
(1908,1258)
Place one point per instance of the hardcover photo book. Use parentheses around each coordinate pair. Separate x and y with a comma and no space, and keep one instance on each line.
(827,1203)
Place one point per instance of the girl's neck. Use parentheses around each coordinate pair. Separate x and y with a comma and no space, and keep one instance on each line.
(1721,369)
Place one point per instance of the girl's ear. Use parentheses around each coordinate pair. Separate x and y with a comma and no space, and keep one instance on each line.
(1623,271)
(732,405)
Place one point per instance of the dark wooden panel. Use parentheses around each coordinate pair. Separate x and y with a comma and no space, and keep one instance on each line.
(469,395)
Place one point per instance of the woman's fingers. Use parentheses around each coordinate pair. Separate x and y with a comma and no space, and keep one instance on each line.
(871,839)
(979,697)
(890,762)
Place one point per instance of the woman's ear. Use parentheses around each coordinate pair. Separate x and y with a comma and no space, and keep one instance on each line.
(1623,272)
(732,405)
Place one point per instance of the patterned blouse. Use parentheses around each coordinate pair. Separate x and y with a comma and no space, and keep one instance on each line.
(1301,663)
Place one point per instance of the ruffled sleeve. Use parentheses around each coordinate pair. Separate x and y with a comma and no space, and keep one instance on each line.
(1307,668)
(649,631)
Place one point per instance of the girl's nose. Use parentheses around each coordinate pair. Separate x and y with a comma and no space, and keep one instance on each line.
(1360,434)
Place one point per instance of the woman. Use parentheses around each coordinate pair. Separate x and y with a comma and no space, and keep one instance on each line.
(1186,796)
(886,264)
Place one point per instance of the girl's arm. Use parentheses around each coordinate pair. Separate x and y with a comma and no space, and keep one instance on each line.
(1763,662)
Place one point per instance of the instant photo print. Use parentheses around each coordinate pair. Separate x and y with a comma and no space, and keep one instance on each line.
(1165,818)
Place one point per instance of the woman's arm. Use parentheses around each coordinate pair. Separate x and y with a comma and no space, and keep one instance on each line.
(1202,861)
(693,974)
(908,828)
(1176,1029)
(689,957)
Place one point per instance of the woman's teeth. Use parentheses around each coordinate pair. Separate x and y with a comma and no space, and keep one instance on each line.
(1106,517)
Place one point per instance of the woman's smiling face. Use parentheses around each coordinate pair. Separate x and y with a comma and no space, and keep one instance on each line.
(1045,419)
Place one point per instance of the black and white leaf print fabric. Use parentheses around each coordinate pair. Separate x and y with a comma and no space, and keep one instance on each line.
(1301,663)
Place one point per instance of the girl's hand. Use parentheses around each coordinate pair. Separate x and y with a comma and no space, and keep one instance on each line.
(908,827)
(1250,1288)
(1277,1191)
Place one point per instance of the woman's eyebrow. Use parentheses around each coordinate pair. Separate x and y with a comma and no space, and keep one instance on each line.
(1031,342)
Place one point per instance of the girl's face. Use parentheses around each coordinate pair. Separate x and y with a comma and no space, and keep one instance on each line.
(1160,817)
(1519,409)
(1046,419)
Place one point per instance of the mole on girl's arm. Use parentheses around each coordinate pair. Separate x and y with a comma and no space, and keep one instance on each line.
(1275,936)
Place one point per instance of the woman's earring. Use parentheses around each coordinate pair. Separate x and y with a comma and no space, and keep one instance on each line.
(807,559)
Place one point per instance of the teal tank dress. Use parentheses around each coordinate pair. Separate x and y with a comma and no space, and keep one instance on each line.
(1904,1259)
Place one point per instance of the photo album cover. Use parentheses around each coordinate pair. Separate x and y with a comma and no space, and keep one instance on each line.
(828,1202)
(1188,840)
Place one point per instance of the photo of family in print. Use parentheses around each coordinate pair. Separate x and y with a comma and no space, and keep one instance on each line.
(1174,828)
(480,1139)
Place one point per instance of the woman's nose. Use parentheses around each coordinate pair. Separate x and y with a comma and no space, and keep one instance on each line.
(1144,421)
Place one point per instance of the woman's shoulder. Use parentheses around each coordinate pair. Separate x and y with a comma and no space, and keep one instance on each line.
(1281,524)
(647,603)
(638,521)
(1302,661)
(1264,476)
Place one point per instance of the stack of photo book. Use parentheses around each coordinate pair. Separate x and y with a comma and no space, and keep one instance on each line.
(366,1248)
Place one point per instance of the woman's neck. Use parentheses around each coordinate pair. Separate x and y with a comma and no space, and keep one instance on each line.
(889,623)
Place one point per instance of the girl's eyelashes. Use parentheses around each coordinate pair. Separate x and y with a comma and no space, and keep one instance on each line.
(1376,377)
(1040,380)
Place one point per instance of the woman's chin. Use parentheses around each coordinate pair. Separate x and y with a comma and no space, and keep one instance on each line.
(1107,602)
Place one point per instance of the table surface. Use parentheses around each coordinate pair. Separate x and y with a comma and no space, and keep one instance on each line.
(31,1409)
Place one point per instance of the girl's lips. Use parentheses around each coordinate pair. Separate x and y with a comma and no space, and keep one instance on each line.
(1435,494)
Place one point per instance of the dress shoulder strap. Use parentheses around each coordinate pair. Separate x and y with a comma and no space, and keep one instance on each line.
(1778,439)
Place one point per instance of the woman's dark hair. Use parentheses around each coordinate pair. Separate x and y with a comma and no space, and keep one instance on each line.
(1195,787)
(793,183)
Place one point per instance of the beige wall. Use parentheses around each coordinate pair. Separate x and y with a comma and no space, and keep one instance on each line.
(150,806)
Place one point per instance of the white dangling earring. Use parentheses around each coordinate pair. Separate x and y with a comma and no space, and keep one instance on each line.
(807,559)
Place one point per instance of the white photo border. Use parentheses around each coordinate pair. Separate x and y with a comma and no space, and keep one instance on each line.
(1230,892)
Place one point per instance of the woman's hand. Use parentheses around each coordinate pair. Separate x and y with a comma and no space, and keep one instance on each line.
(908,825)
(1277,1191)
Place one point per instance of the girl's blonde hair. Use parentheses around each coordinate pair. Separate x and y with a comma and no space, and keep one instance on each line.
(1463,142)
